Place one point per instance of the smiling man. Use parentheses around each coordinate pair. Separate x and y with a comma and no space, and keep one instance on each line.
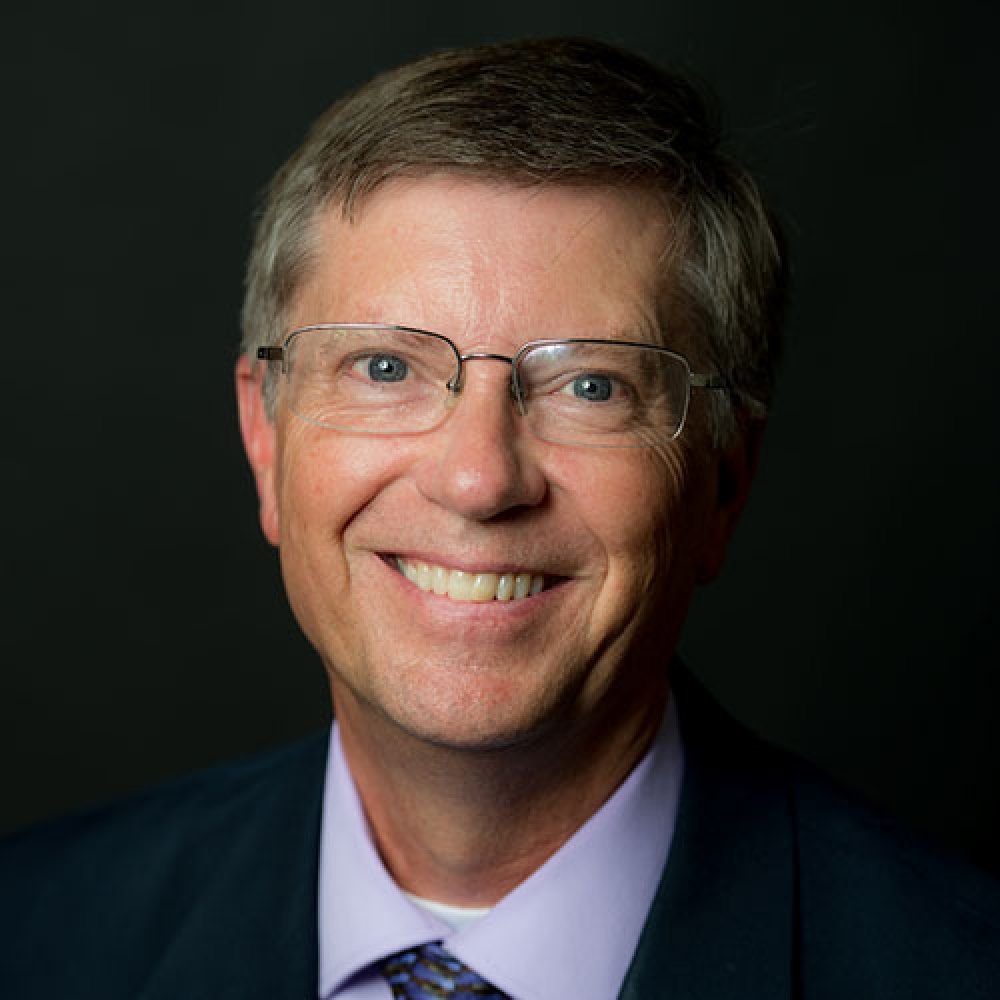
(510,332)
(494,583)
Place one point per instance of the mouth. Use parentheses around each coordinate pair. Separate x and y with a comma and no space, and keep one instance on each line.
(471,585)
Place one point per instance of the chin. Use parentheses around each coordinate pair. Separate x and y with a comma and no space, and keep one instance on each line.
(468,709)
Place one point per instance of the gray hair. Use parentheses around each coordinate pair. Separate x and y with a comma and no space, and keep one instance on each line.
(563,111)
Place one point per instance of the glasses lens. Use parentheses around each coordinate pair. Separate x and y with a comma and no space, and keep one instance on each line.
(604,393)
(372,380)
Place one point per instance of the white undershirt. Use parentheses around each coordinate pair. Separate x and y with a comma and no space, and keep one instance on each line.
(456,917)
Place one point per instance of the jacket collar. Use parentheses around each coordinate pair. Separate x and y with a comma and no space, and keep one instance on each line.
(723,921)
(250,929)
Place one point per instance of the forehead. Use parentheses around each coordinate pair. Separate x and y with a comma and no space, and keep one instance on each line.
(480,259)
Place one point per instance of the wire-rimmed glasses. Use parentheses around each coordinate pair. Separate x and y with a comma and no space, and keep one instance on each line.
(366,378)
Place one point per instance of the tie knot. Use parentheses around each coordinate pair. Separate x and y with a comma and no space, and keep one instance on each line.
(431,973)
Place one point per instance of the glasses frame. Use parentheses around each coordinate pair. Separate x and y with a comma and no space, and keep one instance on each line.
(695,380)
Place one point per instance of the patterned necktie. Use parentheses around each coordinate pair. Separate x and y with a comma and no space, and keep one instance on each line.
(430,973)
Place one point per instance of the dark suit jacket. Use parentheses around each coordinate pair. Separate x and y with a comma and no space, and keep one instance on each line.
(777,886)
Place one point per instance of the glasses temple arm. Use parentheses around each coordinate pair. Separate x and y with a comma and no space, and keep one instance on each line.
(708,382)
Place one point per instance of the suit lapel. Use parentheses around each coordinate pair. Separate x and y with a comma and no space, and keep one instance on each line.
(251,930)
(722,922)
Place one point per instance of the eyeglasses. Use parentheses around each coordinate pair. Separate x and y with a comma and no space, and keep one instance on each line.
(375,379)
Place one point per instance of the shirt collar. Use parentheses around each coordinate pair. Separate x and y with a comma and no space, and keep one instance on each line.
(363,915)
(574,923)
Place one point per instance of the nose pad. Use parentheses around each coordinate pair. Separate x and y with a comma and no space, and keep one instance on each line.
(517,394)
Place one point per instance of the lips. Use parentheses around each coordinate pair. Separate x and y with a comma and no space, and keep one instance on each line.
(465,585)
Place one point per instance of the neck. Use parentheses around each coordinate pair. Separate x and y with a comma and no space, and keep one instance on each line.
(465,826)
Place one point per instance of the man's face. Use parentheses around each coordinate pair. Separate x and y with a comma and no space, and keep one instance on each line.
(620,536)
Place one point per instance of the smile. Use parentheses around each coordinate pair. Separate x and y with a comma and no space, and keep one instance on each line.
(463,585)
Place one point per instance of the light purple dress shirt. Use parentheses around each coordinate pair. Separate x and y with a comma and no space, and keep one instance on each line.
(569,930)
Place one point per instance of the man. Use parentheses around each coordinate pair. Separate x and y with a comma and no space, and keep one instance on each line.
(510,332)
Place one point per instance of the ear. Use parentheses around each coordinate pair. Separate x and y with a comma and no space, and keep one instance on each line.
(258,434)
(735,467)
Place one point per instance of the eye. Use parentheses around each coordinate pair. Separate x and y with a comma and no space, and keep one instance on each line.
(386,368)
(592,388)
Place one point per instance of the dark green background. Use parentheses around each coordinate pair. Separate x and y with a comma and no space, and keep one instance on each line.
(145,630)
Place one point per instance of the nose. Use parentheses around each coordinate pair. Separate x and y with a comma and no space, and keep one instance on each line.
(482,461)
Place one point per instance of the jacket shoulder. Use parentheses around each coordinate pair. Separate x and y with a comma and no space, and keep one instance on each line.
(882,906)
(102,890)
(156,826)
(876,908)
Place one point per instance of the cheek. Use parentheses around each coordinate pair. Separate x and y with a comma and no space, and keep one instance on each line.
(320,492)
(645,510)
(327,482)
(679,531)
(327,479)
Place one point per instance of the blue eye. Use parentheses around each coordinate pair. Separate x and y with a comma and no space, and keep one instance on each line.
(387,368)
(593,388)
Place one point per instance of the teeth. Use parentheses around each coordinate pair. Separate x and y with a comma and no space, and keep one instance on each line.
(460,585)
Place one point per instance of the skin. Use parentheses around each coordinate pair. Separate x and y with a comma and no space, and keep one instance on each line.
(481,736)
